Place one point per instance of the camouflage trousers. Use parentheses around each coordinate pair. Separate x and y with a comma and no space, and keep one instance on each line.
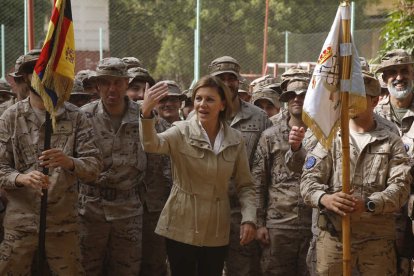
(154,254)
(111,247)
(372,257)
(311,257)
(18,249)
(286,253)
(241,260)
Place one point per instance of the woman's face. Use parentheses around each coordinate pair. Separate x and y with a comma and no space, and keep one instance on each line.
(208,104)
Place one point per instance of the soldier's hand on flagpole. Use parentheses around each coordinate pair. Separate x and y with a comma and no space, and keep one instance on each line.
(262,235)
(34,179)
(247,233)
(296,136)
(53,158)
(151,98)
(340,203)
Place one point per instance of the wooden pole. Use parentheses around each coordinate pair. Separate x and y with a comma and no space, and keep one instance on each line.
(345,76)
(265,38)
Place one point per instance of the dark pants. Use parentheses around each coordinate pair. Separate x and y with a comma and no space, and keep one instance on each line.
(190,260)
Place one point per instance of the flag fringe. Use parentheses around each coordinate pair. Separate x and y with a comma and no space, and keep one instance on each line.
(316,130)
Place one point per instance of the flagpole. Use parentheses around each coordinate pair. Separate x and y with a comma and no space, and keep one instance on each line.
(345,77)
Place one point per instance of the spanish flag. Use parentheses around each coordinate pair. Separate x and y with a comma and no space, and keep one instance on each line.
(54,72)
(322,105)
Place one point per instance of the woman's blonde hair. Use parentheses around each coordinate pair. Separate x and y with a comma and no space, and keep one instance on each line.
(223,91)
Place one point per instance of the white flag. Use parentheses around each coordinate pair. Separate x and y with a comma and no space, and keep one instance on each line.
(322,105)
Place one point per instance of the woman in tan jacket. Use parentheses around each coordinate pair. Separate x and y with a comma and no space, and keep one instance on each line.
(206,153)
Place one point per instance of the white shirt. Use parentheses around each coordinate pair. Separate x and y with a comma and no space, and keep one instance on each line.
(219,138)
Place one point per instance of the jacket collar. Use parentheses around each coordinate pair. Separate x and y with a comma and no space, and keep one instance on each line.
(27,111)
(196,136)
(244,113)
(131,115)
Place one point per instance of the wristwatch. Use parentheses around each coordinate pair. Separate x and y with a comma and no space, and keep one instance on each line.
(370,205)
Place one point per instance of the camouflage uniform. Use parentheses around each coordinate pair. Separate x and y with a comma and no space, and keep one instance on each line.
(7,104)
(110,208)
(21,143)
(244,260)
(154,192)
(380,172)
(280,207)
(405,239)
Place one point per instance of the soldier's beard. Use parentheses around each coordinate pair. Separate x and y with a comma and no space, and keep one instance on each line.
(400,94)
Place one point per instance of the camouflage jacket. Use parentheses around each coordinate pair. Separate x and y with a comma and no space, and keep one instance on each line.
(251,121)
(7,104)
(380,172)
(124,161)
(278,199)
(157,182)
(385,110)
(21,143)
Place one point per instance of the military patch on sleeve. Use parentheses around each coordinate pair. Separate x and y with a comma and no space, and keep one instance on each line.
(310,162)
(406,147)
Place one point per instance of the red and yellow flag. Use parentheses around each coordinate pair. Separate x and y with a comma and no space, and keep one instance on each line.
(55,70)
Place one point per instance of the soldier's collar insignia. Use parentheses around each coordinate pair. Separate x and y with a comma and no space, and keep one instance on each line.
(310,162)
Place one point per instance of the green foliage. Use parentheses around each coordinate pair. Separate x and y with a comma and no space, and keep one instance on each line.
(12,18)
(399,30)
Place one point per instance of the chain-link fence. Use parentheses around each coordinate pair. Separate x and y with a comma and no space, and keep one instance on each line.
(161,33)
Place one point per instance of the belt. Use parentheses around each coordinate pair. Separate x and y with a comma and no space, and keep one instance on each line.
(109,194)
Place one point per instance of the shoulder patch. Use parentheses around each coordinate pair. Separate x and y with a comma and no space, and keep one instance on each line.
(406,147)
(310,162)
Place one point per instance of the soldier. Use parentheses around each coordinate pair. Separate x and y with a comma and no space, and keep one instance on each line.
(398,74)
(188,105)
(110,208)
(398,107)
(251,121)
(88,83)
(132,62)
(268,100)
(284,222)
(73,156)
(136,87)
(168,108)
(244,91)
(380,179)
(78,96)
(23,68)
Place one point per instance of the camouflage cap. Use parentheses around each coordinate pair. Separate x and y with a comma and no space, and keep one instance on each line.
(140,74)
(5,87)
(293,87)
(25,63)
(394,58)
(372,85)
(244,85)
(295,72)
(78,88)
(264,81)
(111,67)
(174,89)
(84,75)
(131,62)
(225,64)
(364,64)
(267,94)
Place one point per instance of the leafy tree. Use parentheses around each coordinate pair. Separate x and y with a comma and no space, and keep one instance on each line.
(399,30)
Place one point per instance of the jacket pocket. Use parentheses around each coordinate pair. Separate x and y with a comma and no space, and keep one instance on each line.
(379,158)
